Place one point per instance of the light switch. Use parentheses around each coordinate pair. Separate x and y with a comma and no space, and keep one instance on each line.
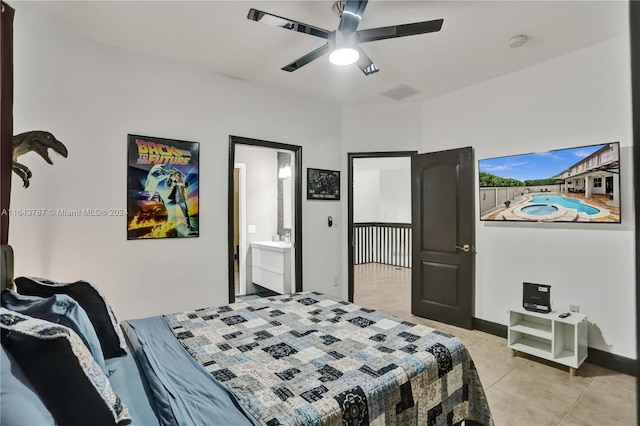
(251,229)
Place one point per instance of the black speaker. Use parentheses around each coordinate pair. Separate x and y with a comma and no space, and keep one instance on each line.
(536,297)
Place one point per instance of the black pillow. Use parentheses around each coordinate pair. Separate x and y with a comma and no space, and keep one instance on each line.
(59,309)
(62,371)
(89,298)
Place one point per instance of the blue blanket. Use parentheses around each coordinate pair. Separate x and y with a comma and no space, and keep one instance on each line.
(184,393)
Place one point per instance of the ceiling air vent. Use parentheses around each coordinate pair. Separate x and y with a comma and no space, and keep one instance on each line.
(400,92)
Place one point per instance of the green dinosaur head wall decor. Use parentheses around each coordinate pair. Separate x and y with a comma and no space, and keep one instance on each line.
(38,141)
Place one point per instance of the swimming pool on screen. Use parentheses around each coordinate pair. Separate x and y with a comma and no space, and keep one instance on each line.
(561,200)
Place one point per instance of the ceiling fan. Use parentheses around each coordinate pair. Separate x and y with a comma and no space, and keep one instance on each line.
(343,44)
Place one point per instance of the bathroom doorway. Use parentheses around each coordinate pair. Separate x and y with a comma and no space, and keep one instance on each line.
(265,234)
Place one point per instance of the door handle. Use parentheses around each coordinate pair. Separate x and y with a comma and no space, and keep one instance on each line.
(465,248)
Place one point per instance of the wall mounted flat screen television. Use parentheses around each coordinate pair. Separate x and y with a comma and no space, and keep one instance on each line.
(580,184)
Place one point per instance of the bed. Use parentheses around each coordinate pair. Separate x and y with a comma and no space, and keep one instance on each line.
(299,359)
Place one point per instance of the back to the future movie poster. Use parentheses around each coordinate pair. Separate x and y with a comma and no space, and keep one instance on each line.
(162,188)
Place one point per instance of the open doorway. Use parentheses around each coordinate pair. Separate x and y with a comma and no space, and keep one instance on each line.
(265,234)
(380,228)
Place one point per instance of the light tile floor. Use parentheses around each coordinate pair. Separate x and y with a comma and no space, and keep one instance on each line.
(522,390)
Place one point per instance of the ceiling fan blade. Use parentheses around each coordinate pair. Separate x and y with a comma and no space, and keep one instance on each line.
(315,54)
(382,33)
(351,15)
(288,24)
(366,64)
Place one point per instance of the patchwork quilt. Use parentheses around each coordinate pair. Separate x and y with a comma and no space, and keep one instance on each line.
(307,359)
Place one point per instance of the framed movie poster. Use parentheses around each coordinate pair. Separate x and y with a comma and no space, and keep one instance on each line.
(323,184)
(162,188)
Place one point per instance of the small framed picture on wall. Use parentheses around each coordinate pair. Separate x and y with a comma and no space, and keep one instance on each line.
(323,184)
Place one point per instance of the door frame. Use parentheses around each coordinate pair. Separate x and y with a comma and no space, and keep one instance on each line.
(352,156)
(634,41)
(297,232)
(242,224)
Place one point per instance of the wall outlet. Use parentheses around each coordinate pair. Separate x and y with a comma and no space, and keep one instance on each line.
(574,308)
(336,281)
(335,222)
(251,229)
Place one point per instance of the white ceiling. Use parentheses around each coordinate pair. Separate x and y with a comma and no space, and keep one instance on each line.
(470,48)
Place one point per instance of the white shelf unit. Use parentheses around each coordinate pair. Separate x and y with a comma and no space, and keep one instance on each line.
(547,336)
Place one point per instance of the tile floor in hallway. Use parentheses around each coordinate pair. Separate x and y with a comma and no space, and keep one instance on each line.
(522,390)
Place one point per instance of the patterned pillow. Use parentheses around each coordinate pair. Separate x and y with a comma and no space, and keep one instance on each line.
(60,309)
(87,296)
(62,370)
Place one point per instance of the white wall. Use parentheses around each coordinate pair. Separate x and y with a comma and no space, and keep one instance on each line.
(262,190)
(91,96)
(366,195)
(395,193)
(578,99)
(382,189)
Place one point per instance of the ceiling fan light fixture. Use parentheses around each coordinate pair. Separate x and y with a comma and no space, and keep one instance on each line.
(344,56)
(343,44)
(343,49)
